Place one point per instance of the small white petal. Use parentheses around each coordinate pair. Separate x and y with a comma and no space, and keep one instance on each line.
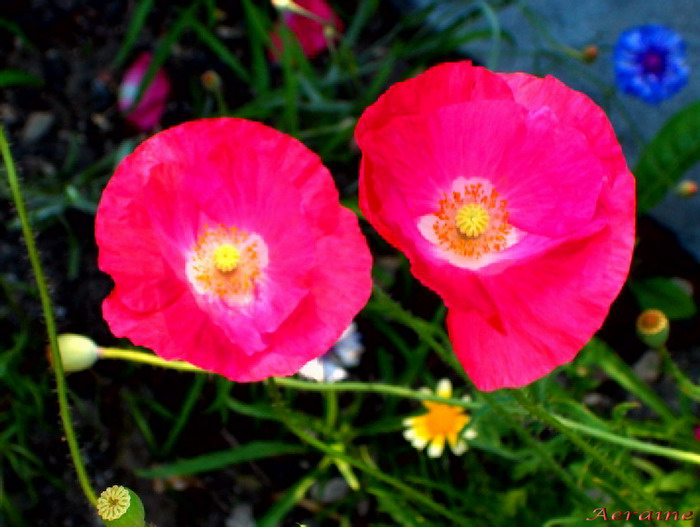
(409,434)
(437,446)
(312,370)
(470,433)
(459,448)
(408,421)
(419,443)
(444,388)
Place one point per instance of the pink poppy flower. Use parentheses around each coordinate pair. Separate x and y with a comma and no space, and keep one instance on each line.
(309,31)
(229,249)
(147,113)
(511,198)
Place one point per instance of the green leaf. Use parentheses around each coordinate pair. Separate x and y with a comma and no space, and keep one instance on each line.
(666,295)
(294,495)
(223,458)
(674,150)
(10,77)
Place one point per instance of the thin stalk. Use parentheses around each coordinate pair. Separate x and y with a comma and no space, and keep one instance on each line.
(538,448)
(545,417)
(339,455)
(632,444)
(147,358)
(407,393)
(61,388)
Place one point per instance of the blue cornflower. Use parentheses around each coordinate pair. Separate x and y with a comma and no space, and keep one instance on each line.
(650,62)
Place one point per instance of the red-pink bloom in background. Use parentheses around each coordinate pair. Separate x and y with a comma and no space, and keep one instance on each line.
(147,113)
(309,31)
(229,249)
(696,431)
(512,200)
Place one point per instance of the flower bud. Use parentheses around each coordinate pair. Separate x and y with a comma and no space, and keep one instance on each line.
(589,54)
(77,352)
(121,507)
(211,81)
(687,189)
(653,327)
(147,113)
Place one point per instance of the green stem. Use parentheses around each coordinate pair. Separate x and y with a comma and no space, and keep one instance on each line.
(61,388)
(537,447)
(147,358)
(685,385)
(337,454)
(545,417)
(407,393)
(632,444)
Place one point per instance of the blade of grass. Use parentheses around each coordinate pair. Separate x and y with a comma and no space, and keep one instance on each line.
(162,51)
(259,42)
(138,20)
(294,495)
(223,458)
(185,412)
(228,58)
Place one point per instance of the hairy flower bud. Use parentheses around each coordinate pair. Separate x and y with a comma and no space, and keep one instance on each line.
(77,352)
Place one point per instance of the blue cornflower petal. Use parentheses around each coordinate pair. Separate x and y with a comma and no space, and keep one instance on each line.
(650,62)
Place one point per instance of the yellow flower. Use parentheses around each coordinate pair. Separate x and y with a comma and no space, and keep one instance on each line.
(443,422)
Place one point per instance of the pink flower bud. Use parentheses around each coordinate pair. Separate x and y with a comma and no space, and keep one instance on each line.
(147,113)
(313,23)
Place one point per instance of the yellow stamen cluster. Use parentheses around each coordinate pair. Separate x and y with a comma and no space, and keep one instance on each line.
(442,423)
(472,222)
(226,262)
(113,503)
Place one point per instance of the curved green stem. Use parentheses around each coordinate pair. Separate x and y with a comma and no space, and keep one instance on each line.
(338,455)
(539,448)
(61,388)
(545,417)
(632,444)
(148,358)
(407,393)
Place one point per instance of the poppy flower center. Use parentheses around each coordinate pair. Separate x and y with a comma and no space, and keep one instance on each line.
(472,220)
(226,257)
(470,224)
(226,263)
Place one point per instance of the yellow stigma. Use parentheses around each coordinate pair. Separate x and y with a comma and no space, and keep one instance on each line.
(226,257)
(472,220)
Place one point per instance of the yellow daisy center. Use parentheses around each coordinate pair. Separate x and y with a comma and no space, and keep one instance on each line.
(226,257)
(113,503)
(472,220)
(225,263)
(442,420)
